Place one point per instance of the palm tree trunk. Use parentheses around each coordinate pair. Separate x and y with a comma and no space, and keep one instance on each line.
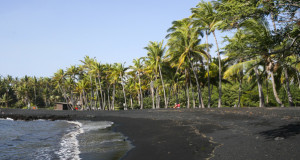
(124,93)
(84,99)
(220,73)
(141,93)
(240,92)
(162,81)
(208,77)
(297,73)
(101,93)
(131,101)
(194,102)
(260,91)
(177,100)
(267,86)
(104,100)
(139,98)
(98,98)
(92,92)
(152,94)
(157,99)
(187,90)
(274,89)
(157,95)
(108,99)
(290,98)
(113,97)
(201,105)
(81,100)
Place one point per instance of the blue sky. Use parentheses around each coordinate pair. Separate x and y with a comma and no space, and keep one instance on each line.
(38,37)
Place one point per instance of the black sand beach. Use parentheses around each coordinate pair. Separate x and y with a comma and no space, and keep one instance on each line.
(188,134)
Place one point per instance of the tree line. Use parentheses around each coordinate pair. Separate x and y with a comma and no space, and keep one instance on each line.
(258,67)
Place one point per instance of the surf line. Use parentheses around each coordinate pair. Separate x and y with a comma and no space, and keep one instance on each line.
(69,144)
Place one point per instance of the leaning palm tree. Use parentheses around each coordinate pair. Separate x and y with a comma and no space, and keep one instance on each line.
(261,42)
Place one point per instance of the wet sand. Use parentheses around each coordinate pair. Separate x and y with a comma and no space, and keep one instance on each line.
(188,134)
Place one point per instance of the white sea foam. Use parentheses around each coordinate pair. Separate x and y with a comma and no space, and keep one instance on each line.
(92,126)
(69,144)
(9,119)
(110,141)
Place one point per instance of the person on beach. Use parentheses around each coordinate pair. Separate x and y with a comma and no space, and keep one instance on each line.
(177,105)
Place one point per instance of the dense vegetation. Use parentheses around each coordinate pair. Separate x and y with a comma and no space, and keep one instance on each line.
(258,67)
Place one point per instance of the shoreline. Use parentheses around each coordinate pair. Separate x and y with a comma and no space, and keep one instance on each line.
(226,133)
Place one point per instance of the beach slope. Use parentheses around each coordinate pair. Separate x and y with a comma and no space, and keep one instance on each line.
(181,134)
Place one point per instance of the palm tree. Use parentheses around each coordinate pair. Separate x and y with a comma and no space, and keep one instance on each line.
(155,55)
(205,16)
(262,42)
(5,99)
(138,68)
(120,69)
(184,47)
(59,79)
(98,70)
(81,88)
(234,49)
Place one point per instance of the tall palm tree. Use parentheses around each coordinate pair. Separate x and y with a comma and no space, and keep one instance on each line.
(98,70)
(138,68)
(59,79)
(207,17)
(121,70)
(155,55)
(184,46)
(81,88)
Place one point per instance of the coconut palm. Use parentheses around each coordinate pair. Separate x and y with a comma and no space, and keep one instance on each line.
(155,55)
(262,42)
(97,70)
(5,99)
(184,47)
(207,17)
(121,70)
(138,69)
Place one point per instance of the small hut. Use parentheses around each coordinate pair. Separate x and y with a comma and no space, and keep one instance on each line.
(61,106)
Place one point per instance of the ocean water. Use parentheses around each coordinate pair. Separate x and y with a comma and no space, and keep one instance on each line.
(65,140)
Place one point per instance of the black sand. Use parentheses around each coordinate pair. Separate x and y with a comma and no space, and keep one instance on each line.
(187,134)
